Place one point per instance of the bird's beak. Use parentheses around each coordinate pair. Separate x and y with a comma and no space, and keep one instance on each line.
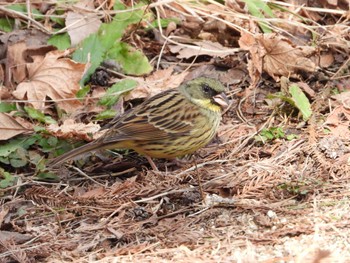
(221,100)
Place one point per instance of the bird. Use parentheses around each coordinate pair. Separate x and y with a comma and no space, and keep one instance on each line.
(172,123)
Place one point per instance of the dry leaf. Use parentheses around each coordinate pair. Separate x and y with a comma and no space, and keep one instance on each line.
(80,26)
(343,99)
(53,76)
(71,129)
(11,127)
(338,122)
(326,60)
(309,91)
(16,62)
(159,81)
(4,93)
(276,55)
(213,49)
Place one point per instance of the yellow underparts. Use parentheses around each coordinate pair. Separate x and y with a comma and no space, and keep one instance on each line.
(208,104)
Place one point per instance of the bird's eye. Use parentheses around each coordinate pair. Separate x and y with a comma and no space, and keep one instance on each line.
(206,88)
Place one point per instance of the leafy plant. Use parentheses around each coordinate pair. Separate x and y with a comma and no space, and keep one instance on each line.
(113,93)
(273,133)
(296,98)
(106,44)
(261,10)
(37,115)
(7,107)
(61,41)
(6,24)
(6,179)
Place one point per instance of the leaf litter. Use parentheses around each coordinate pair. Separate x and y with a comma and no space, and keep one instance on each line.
(285,200)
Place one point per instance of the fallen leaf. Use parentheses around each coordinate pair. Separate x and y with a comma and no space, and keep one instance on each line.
(71,129)
(338,122)
(16,62)
(276,55)
(94,193)
(309,91)
(4,93)
(343,99)
(11,127)
(213,49)
(53,76)
(79,26)
(326,60)
(157,82)
(12,52)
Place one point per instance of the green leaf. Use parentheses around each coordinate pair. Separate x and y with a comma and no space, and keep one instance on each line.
(83,92)
(6,24)
(95,47)
(290,137)
(48,143)
(15,151)
(132,61)
(37,115)
(163,23)
(58,20)
(90,48)
(260,9)
(270,134)
(107,114)
(8,148)
(18,158)
(113,93)
(7,107)
(61,41)
(118,5)
(22,8)
(6,179)
(48,177)
(301,101)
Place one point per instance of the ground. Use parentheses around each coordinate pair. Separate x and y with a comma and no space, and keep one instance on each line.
(273,186)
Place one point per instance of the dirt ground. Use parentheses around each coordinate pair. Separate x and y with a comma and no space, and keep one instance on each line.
(285,201)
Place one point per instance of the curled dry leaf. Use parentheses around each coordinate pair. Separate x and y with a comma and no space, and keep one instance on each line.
(52,76)
(11,127)
(159,81)
(71,129)
(276,55)
(213,49)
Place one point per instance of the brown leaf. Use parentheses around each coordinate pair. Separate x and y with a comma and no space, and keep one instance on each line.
(12,52)
(4,93)
(338,122)
(276,55)
(70,129)
(307,89)
(213,49)
(157,82)
(53,76)
(79,26)
(11,127)
(326,60)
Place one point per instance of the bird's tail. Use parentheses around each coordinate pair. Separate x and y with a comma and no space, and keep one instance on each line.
(76,152)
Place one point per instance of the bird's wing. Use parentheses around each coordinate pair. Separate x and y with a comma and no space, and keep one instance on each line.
(159,118)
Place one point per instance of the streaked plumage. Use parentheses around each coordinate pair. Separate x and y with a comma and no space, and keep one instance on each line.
(172,123)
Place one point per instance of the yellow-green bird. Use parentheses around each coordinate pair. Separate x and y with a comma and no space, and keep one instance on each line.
(170,124)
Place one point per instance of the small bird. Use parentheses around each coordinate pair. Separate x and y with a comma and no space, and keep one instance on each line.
(173,123)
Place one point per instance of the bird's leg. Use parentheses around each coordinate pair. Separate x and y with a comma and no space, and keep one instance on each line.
(199,180)
(153,165)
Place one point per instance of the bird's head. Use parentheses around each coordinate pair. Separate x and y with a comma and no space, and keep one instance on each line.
(207,93)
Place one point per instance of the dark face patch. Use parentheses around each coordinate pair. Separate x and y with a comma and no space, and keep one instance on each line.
(208,91)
